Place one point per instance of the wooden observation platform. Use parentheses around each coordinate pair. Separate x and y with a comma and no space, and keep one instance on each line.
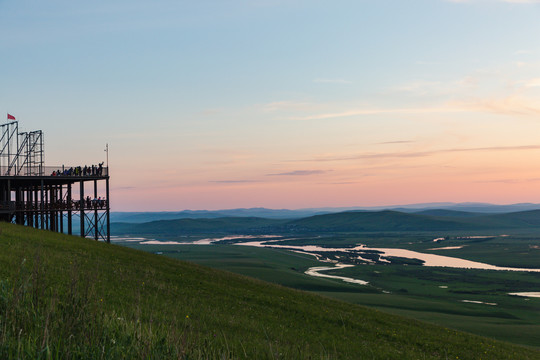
(50,198)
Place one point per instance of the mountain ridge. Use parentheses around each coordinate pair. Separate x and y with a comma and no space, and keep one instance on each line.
(349,221)
(140,217)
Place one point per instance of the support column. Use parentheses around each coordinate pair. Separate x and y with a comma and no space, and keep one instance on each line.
(47,206)
(36,207)
(107,202)
(81,207)
(70,211)
(52,209)
(42,207)
(9,200)
(96,229)
(61,205)
(18,214)
(17,200)
(29,205)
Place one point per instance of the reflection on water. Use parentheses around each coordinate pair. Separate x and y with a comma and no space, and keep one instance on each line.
(157,242)
(360,252)
(209,241)
(206,241)
(527,294)
(449,248)
(445,261)
(315,271)
(478,302)
(128,239)
(428,259)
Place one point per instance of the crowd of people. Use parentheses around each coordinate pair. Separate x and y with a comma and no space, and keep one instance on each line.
(94,170)
(88,203)
(96,203)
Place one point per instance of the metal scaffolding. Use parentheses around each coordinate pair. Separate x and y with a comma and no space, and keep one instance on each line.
(44,197)
(9,143)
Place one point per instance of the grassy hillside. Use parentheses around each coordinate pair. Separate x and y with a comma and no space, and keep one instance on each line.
(425,293)
(66,297)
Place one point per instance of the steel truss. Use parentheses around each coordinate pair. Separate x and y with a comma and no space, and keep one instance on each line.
(21,154)
(47,203)
(33,195)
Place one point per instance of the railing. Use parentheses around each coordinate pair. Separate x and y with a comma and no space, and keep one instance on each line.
(63,171)
(74,205)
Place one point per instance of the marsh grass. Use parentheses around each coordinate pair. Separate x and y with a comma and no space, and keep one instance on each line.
(63,297)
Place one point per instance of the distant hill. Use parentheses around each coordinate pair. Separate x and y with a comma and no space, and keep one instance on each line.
(448,213)
(523,219)
(397,221)
(481,208)
(66,297)
(350,221)
(141,217)
(190,226)
(490,208)
(467,207)
(380,221)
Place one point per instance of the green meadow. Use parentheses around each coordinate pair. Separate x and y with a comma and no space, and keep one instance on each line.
(476,301)
(63,297)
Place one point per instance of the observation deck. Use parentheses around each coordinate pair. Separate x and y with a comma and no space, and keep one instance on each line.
(50,197)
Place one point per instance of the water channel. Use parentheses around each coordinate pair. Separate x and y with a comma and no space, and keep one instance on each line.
(384,255)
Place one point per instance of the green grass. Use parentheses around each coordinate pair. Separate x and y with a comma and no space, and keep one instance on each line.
(63,297)
(414,291)
(272,265)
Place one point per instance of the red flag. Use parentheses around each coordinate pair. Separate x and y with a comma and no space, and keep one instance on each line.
(10,117)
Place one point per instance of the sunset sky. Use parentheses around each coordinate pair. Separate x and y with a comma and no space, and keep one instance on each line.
(282,104)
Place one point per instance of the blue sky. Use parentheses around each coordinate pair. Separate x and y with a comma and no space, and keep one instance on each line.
(221,104)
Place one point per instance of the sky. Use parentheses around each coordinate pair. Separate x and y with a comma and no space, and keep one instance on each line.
(282,104)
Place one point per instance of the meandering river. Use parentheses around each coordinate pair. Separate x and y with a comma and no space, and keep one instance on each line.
(428,259)
(432,260)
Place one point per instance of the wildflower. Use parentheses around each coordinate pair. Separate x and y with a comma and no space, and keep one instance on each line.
(187,316)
